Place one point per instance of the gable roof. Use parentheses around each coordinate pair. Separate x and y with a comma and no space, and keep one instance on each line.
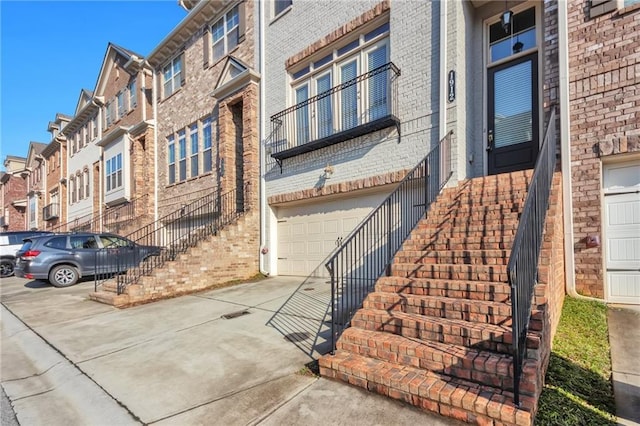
(83,99)
(132,61)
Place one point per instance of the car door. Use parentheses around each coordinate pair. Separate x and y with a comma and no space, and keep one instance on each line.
(122,252)
(85,250)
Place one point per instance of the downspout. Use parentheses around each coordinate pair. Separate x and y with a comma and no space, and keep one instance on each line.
(154,99)
(262,204)
(565,151)
(442,119)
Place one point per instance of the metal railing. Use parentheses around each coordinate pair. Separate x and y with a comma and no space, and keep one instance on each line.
(369,250)
(80,223)
(363,100)
(174,233)
(522,268)
(51,211)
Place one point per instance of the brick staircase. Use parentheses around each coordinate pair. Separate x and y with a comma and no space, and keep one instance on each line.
(229,255)
(436,332)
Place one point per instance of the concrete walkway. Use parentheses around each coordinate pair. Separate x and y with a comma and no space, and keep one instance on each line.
(233,356)
(624,338)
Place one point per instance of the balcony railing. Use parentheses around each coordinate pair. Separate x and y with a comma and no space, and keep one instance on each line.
(356,107)
(51,211)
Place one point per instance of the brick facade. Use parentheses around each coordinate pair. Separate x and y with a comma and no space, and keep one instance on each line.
(14,189)
(604,74)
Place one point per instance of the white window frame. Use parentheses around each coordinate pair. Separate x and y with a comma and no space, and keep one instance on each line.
(113,173)
(133,95)
(121,103)
(359,54)
(207,151)
(169,75)
(87,187)
(226,23)
(182,155)
(171,159)
(194,142)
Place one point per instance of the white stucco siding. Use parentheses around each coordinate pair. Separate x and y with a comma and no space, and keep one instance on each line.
(118,146)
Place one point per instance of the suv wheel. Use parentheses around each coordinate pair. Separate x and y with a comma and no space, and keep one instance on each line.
(63,276)
(6,268)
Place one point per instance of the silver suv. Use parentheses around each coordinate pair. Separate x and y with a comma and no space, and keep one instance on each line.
(62,259)
(10,243)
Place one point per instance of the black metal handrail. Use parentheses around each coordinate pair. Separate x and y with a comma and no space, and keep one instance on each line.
(113,218)
(51,211)
(77,224)
(368,251)
(522,268)
(365,99)
(174,234)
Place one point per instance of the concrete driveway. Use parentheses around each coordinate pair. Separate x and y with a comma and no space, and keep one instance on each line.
(67,360)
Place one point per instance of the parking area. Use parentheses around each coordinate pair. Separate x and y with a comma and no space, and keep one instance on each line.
(229,356)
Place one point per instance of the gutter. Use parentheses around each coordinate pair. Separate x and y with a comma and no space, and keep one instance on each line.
(262,203)
(154,97)
(565,152)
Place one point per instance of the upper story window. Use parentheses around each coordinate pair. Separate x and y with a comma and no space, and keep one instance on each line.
(207,160)
(113,172)
(80,186)
(120,100)
(32,210)
(171,159)
(182,147)
(280,6)
(72,190)
(193,136)
(94,126)
(133,95)
(172,76)
(225,33)
(321,111)
(86,183)
(109,114)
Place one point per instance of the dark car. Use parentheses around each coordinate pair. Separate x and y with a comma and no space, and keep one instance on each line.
(62,259)
(10,243)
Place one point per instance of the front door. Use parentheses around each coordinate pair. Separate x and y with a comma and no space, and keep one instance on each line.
(513,115)
(512,92)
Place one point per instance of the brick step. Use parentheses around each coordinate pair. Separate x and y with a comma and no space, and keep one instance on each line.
(465,199)
(487,337)
(486,368)
(472,290)
(503,227)
(436,242)
(467,257)
(453,219)
(469,209)
(451,271)
(460,399)
(109,298)
(109,286)
(486,312)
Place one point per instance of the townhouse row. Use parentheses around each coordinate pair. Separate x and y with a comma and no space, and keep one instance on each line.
(310,113)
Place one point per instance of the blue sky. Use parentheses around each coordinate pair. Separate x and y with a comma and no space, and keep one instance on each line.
(50,50)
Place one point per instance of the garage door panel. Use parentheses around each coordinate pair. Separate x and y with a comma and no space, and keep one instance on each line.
(622,231)
(318,227)
(624,287)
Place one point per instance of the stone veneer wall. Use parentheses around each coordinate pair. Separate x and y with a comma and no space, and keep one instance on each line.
(604,76)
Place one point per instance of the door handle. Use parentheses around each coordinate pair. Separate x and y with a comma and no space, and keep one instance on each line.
(490,140)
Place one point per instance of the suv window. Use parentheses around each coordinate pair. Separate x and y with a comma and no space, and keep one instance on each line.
(18,237)
(57,243)
(111,241)
(83,241)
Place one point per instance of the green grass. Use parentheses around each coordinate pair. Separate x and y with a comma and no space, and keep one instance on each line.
(578,389)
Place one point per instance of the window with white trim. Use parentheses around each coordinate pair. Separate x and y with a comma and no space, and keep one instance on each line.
(225,33)
(80,188)
(32,210)
(280,6)
(113,172)
(182,155)
(94,126)
(86,184)
(172,77)
(133,95)
(108,115)
(352,105)
(72,190)
(207,160)
(171,159)
(193,136)
(120,100)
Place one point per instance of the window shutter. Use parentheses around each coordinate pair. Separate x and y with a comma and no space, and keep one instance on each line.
(183,70)
(206,47)
(242,18)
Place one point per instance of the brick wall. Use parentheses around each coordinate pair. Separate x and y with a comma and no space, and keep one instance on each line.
(604,64)
(15,188)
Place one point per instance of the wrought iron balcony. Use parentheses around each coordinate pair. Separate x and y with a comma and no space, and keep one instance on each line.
(51,211)
(359,106)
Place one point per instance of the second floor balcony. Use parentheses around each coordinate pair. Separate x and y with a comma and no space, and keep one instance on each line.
(51,211)
(359,106)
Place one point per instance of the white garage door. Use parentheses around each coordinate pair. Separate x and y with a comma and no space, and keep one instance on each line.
(622,232)
(308,233)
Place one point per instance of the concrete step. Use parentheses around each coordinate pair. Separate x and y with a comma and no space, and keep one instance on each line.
(460,399)
(472,290)
(478,311)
